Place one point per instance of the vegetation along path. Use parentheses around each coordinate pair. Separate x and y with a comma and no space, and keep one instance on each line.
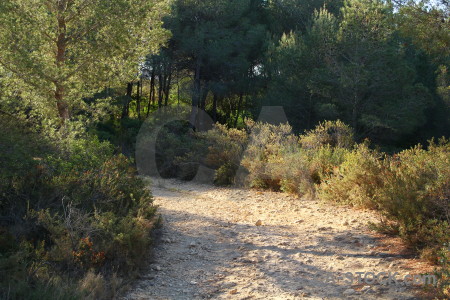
(225,243)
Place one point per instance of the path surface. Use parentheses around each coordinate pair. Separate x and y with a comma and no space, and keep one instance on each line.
(211,247)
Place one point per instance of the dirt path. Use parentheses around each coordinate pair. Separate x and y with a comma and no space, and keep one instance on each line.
(212,248)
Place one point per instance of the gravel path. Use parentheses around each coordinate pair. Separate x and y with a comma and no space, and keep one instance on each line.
(225,243)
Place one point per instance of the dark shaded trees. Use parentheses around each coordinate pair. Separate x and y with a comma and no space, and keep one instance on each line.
(219,42)
(354,67)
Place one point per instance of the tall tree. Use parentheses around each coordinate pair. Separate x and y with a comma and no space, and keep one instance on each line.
(427,24)
(296,15)
(219,42)
(368,78)
(68,49)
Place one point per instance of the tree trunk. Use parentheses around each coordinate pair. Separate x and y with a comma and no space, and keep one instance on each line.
(205,91)
(151,99)
(241,96)
(126,105)
(355,111)
(61,43)
(214,112)
(310,111)
(196,94)
(168,83)
(138,99)
(204,94)
(63,108)
(160,90)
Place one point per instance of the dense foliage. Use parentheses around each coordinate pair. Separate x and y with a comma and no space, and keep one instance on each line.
(79,78)
(68,206)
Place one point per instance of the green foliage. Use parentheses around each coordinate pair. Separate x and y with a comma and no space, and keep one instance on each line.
(293,15)
(66,209)
(178,151)
(66,50)
(275,157)
(427,24)
(266,144)
(226,147)
(356,67)
(443,273)
(356,180)
(415,194)
(298,171)
(334,134)
(410,189)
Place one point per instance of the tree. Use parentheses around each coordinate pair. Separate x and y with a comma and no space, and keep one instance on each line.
(219,42)
(368,79)
(68,49)
(427,24)
(296,15)
(290,64)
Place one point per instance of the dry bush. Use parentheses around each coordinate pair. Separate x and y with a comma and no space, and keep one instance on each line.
(225,149)
(266,146)
(357,180)
(416,194)
(336,134)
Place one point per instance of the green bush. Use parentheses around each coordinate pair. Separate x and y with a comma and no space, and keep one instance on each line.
(416,194)
(67,209)
(265,148)
(336,134)
(298,170)
(290,172)
(443,273)
(411,190)
(179,151)
(225,150)
(357,180)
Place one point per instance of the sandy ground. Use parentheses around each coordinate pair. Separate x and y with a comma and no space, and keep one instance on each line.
(226,243)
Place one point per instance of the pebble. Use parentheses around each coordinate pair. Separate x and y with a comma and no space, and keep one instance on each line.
(349,292)
(365,288)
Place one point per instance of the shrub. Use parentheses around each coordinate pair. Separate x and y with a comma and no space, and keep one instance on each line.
(225,150)
(324,160)
(266,145)
(69,208)
(443,273)
(291,172)
(298,170)
(105,217)
(275,160)
(410,189)
(333,133)
(416,194)
(357,180)
(179,151)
